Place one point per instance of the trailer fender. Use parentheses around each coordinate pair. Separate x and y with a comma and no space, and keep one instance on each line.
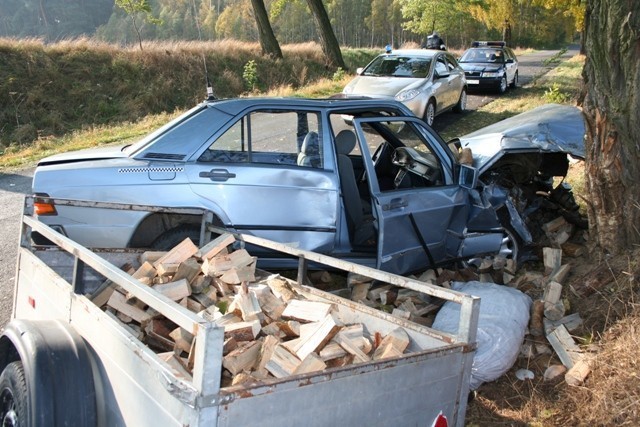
(57,370)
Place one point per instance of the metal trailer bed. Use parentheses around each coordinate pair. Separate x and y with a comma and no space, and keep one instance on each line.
(135,387)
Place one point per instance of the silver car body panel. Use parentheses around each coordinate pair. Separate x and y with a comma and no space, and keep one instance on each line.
(549,128)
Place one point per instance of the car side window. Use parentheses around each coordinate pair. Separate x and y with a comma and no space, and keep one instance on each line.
(441,67)
(284,137)
(451,63)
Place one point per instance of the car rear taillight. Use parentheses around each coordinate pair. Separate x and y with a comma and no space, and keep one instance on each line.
(42,208)
(440,421)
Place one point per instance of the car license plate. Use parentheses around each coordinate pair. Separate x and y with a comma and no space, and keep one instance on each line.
(473,82)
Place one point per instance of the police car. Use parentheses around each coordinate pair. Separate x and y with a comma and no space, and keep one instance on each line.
(490,65)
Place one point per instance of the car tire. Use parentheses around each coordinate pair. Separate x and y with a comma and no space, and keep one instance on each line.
(430,112)
(511,247)
(503,85)
(461,106)
(514,83)
(173,237)
(14,402)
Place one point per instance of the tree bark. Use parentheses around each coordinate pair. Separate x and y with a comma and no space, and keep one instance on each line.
(328,41)
(611,103)
(268,41)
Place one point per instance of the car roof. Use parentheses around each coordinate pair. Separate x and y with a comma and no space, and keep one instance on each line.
(234,106)
(425,53)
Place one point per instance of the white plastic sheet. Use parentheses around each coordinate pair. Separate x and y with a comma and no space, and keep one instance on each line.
(504,316)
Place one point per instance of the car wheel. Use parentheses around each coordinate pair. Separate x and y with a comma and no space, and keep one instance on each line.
(173,237)
(461,106)
(13,396)
(430,112)
(511,244)
(514,83)
(503,85)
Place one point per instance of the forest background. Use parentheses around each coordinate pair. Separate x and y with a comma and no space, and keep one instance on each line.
(356,23)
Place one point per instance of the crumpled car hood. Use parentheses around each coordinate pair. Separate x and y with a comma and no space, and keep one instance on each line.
(101,153)
(550,128)
(380,86)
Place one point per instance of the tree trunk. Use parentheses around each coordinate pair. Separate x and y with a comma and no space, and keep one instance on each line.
(328,40)
(268,41)
(611,103)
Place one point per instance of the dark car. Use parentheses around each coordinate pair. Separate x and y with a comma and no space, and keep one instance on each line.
(490,65)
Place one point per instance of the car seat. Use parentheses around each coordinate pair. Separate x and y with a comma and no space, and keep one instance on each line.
(310,151)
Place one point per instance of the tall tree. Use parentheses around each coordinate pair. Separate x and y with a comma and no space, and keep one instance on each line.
(135,7)
(611,104)
(328,41)
(268,41)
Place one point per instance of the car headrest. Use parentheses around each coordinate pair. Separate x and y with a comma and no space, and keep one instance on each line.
(310,145)
(345,141)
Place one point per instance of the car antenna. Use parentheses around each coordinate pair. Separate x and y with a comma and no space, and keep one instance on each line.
(210,95)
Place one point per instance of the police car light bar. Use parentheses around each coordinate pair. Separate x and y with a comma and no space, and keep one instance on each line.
(488,43)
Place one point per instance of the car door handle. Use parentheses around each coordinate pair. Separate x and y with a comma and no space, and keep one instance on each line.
(217,175)
(395,204)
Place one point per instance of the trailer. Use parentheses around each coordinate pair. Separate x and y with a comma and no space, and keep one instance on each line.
(65,361)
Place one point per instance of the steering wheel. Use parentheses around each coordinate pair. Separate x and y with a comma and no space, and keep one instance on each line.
(421,164)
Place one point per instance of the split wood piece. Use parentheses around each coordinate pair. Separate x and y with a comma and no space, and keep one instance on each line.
(188,269)
(242,331)
(194,305)
(374,293)
(359,291)
(322,277)
(273,329)
(218,265)
(595,280)
(306,311)
(332,350)
(281,288)
(145,275)
(352,348)
(207,297)
(182,339)
(266,352)
(151,256)
(466,157)
(393,344)
(560,275)
(157,335)
(314,341)
(579,372)
(311,363)
(291,328)
(357,279)
(571,322)
(213,315)
(408,306)
(242,358)
(172,360)
(389,296)
(221,286)
(180,253)
(237,275)
(564,346)
(272,306)
(174,290)
(553,372)
(229,345)
(554,225)
(553,307)
(118,302)
(536,325)
(573,250)
(103,293)
(215,246)
(552,258)
(200,283)
(244,378)
(246,303)
(340,362)
(401,313)
(282,362)
(429,277)
(167,269)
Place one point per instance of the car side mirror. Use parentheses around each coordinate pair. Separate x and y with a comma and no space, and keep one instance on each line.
(359,70)
(468,177)
(442,75)
(510,61)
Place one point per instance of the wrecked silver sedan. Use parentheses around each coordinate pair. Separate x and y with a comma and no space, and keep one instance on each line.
(381,189)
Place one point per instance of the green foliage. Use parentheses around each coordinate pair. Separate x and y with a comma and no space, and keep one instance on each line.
(554,94)
(250,75)
(338,75)
(555,58)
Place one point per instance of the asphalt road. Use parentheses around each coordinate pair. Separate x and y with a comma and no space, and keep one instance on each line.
(15,185)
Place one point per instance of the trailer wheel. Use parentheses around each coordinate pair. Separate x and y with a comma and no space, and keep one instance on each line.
(171,238)
(13,396)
